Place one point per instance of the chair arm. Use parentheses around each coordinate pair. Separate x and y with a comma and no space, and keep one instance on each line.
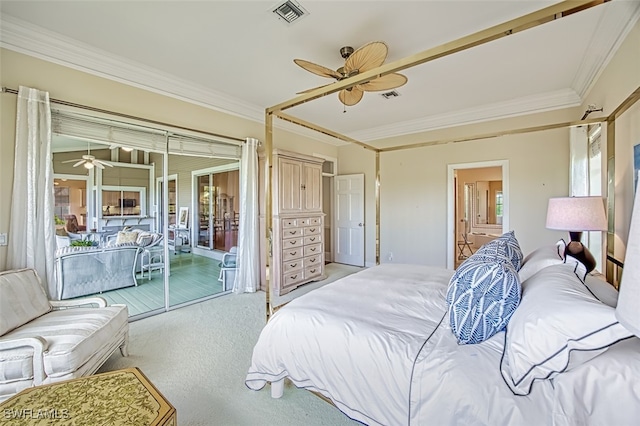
(76,303)
(39,346)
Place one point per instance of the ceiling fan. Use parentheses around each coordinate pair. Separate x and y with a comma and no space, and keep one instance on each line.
(89,161)
(369,56)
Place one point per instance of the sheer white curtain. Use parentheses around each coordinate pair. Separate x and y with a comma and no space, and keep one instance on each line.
(248,263)
(31,226)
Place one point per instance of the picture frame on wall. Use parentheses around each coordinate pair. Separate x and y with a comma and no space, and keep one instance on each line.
(183,217)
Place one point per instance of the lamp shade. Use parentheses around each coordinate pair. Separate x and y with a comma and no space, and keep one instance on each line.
(628,309)
(576,214)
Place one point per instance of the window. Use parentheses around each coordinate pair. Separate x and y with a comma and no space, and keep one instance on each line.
(499,203)
(123,201)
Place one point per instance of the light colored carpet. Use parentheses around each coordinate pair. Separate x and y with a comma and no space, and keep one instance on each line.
(198,357)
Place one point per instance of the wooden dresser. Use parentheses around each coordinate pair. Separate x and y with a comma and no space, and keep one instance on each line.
(298,221)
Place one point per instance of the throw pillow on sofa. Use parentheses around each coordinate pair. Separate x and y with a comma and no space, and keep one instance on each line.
(126,237)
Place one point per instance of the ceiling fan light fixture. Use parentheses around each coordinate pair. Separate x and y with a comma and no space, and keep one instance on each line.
(88,165)
(289,11)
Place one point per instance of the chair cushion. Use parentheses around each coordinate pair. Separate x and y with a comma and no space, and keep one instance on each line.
(74,336)
(126,237)
(22,299)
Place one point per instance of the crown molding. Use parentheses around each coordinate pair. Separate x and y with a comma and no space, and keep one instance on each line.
(29,39)
(549,101)
(612,29)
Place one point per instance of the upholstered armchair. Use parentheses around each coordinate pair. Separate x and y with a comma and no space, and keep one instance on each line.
(228,268)
(44,341)
(72,224)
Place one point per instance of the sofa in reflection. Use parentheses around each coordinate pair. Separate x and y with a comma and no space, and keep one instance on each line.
(81,271)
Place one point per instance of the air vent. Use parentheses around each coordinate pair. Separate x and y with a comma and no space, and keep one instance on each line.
(390,95)
(289,11)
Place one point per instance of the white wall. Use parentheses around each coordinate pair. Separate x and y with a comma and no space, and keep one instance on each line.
(414,191)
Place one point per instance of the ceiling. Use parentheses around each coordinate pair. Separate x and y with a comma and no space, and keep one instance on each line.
(237,56)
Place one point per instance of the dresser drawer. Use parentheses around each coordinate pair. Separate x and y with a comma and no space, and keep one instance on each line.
(292,278)
(290,223)
(292,232)
(290,243)
(312,239)
(311,230)
(312,271)
(292,265)
(314,221)
(315,260)
(291,254)
(312,249)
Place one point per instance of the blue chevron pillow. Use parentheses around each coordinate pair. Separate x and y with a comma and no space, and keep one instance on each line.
(483,293)
(505,245)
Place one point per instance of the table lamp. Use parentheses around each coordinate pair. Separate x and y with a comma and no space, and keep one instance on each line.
(577,214)
(628,308)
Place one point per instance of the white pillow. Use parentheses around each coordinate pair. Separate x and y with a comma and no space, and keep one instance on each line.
(558,325)
(603,391)
(22,298)
(541,258)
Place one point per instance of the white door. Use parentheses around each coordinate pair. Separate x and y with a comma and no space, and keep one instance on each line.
(349,219)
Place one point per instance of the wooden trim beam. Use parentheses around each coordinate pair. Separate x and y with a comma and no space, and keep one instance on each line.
(323,130)
(496,134)
(268,214)
(496,32)
(626,104)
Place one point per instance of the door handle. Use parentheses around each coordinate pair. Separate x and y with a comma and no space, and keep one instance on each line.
(361,224)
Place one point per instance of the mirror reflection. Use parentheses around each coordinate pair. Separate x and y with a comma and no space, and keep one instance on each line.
(488,202)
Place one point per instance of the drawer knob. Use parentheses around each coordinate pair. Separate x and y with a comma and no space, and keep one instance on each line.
(292,242)
(293,265)
(313,249)
(292,253)
(313,239)
(313,229)
(293,277)
(313,271)
(292,232)
(312,260)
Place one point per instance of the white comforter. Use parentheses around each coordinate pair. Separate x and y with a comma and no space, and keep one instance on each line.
(378,344)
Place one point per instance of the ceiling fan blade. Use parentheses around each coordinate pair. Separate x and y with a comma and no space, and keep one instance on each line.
(317,69)
(386,82)
(369,56)
(71,161)
(104,163)
(79,162)
(350,97)
(98,165)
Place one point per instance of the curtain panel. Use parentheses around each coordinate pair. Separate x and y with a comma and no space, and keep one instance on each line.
(248,263)
(31,226)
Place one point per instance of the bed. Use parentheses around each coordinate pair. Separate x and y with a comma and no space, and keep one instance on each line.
(379,345)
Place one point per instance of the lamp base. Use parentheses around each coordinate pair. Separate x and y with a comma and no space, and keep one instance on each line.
(578,251)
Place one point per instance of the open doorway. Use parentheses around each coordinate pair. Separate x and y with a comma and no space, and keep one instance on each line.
(477,206)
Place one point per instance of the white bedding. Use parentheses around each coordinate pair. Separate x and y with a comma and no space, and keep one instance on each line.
(378,344)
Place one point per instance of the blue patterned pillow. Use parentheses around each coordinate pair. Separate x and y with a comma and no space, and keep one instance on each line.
(482,296)
(507,246)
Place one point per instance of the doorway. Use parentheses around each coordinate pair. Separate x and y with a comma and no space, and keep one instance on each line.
(477,205)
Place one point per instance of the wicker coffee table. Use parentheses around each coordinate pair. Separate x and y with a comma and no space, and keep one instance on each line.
(122,397)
